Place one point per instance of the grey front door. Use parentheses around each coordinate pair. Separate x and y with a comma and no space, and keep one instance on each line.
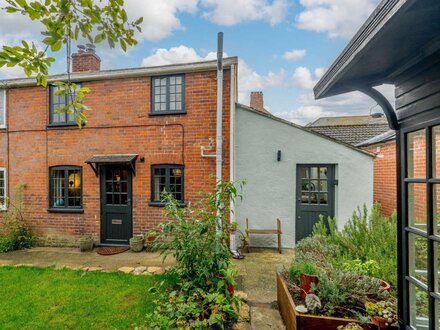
(315,196)
(116,209)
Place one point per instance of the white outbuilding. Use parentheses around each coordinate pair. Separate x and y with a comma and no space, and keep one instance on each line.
(295,175)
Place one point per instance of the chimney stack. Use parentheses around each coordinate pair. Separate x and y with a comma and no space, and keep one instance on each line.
(86,59)
(257,101)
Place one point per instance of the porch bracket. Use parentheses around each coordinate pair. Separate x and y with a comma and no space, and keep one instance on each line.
(382,101)
(94,168)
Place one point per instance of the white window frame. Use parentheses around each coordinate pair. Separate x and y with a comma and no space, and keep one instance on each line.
(4,110)
(4,207)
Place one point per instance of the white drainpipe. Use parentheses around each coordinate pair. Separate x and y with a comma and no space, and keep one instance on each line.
(219,107)
(219,138)
(232,96)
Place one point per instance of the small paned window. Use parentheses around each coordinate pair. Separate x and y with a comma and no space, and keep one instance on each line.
(314,185)
(2,107)
(167,178)
(3,189)
(167,94)
(66,187)
(57,101)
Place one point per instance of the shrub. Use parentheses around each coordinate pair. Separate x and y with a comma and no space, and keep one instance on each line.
(14,233)
(370,239)
(344,293)
(204,297)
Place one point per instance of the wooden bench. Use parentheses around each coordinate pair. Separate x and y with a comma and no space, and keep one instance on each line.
(264,232)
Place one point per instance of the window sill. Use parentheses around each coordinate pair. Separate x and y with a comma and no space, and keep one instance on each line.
(161,204)
(167,113)
(55,210)
(63,125)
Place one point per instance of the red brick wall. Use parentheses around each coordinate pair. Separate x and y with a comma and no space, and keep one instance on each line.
(385,182)
(117,123)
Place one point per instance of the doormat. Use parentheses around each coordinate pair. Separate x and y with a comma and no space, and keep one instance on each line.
(109,250)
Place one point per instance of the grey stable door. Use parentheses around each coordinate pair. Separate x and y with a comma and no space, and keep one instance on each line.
(116,208)
(314,196)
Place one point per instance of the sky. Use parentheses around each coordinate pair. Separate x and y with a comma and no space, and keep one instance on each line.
(283,46)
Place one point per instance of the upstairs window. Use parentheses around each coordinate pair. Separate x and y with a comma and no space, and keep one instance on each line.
(167,94)
(166,178)
(65,188)
(2,188)
(2,108)
(57,101)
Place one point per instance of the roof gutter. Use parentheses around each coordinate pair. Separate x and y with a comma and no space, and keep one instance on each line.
(122,73)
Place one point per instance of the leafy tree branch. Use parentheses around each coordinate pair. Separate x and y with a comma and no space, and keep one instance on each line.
(64,21)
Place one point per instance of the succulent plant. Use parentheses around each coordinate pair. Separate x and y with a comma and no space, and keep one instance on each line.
(313,302)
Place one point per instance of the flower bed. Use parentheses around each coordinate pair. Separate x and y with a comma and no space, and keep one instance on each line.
(294,320)
(338,276)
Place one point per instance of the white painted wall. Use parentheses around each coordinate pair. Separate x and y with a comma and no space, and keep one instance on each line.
(271,188)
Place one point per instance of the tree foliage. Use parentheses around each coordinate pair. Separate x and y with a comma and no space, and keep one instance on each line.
(63,21)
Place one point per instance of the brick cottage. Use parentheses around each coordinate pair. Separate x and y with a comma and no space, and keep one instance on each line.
(144,134)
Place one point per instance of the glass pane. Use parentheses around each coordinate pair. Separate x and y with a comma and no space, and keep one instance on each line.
(313,185)
(418,257)
(417,213)
(323,172)
(323,199)
(436,152)
(314,172)
(305,173)
(416,154)
(313,198)
(323,185)
(436,209)
(437,266)
(74,183)
(58,185)
(109,199)
(418,300)
(437,314)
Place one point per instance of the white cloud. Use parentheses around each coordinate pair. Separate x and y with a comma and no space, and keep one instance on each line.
(304,79)
(232,12)
(351,104)
(174,55)
(337,18)
(294,54)
(160,17)
(249,79)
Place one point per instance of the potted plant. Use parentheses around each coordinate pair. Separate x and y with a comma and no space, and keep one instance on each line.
(86,243)
(381,313)
(150,238)
(137,243)
(307,273)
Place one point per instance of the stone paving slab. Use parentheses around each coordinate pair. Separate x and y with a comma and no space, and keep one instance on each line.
(73,258)
(258,270)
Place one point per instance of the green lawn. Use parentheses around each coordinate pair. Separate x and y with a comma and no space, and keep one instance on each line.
(45,298)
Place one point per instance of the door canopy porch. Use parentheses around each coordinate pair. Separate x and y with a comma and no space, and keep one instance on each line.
(112,159)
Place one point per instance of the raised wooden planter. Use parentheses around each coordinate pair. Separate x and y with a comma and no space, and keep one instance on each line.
(294,320)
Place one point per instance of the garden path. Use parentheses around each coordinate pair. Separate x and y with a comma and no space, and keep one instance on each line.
(73,258)
(257,279)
